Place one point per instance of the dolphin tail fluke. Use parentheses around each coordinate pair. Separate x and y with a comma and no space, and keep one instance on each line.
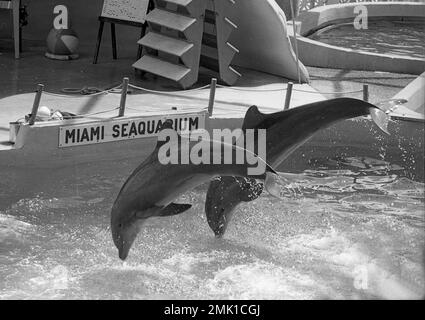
(380,115)
(390,104)
(173,209)
(380,118)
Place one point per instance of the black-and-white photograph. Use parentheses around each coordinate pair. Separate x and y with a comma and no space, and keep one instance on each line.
(209,152)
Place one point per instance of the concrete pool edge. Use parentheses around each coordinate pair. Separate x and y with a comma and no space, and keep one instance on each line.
(317,54)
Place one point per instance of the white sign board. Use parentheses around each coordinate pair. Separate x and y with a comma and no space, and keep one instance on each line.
(117,130)
(128,10)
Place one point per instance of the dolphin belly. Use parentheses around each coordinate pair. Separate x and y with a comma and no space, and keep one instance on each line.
(185,185)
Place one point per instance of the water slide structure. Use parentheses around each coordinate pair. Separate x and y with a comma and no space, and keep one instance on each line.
(219,35)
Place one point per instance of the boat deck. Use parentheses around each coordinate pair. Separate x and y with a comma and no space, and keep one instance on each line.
(264,90)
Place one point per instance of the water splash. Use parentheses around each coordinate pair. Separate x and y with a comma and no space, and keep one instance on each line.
(352,216)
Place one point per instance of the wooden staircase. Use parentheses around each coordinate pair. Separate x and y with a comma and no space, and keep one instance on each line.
(177,44)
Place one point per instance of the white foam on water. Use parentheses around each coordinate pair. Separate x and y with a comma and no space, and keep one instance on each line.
(317,246)
(389,286)
(259,280)
(13,229)
(186,262)
(48,283)
(147,281)
(157,270)
(55,279)
(350,260)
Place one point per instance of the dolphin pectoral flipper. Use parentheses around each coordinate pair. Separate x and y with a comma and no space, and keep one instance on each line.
(174,208)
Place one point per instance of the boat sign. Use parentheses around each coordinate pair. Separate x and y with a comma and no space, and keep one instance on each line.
(125,129)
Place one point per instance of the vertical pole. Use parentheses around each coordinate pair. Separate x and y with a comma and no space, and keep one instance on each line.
(99,40)
(114,41)
(16,27)
(36,104)
(212,96)
(366,92)
(288,96)
(123,97)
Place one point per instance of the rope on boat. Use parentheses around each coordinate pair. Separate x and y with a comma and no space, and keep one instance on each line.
(77,116)
(185,109)
(85,92)
(88,115)
(283,89)
(166,92)
(254,90)
(335,92)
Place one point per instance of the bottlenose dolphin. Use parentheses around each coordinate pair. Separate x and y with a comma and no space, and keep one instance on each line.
(151,188)
(286,131)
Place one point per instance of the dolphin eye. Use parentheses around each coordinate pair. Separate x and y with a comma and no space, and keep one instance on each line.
(120,225)
(222,210)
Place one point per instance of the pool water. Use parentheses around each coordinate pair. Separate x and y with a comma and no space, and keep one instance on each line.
(386,37)
(348,228)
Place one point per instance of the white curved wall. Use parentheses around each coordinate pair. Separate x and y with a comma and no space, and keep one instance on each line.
(318,54)
(321,16)
(263,40)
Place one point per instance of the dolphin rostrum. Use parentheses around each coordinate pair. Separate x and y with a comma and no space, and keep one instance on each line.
(152,187)
(286,131)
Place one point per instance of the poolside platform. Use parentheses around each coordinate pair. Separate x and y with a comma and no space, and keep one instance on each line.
(350,138)
(264,90)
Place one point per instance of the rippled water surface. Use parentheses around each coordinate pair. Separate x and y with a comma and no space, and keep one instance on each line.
(387,37)
(351,228)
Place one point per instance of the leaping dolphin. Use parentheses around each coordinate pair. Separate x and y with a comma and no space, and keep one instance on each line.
(151,188)
(286,131)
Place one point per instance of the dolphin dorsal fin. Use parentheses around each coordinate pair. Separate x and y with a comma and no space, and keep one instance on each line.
(253,118)
(167,124)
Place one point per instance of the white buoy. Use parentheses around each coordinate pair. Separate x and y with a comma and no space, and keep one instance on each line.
(43,113)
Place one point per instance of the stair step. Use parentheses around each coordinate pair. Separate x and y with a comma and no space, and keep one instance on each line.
(170,20)
(166,44)
(161,68)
